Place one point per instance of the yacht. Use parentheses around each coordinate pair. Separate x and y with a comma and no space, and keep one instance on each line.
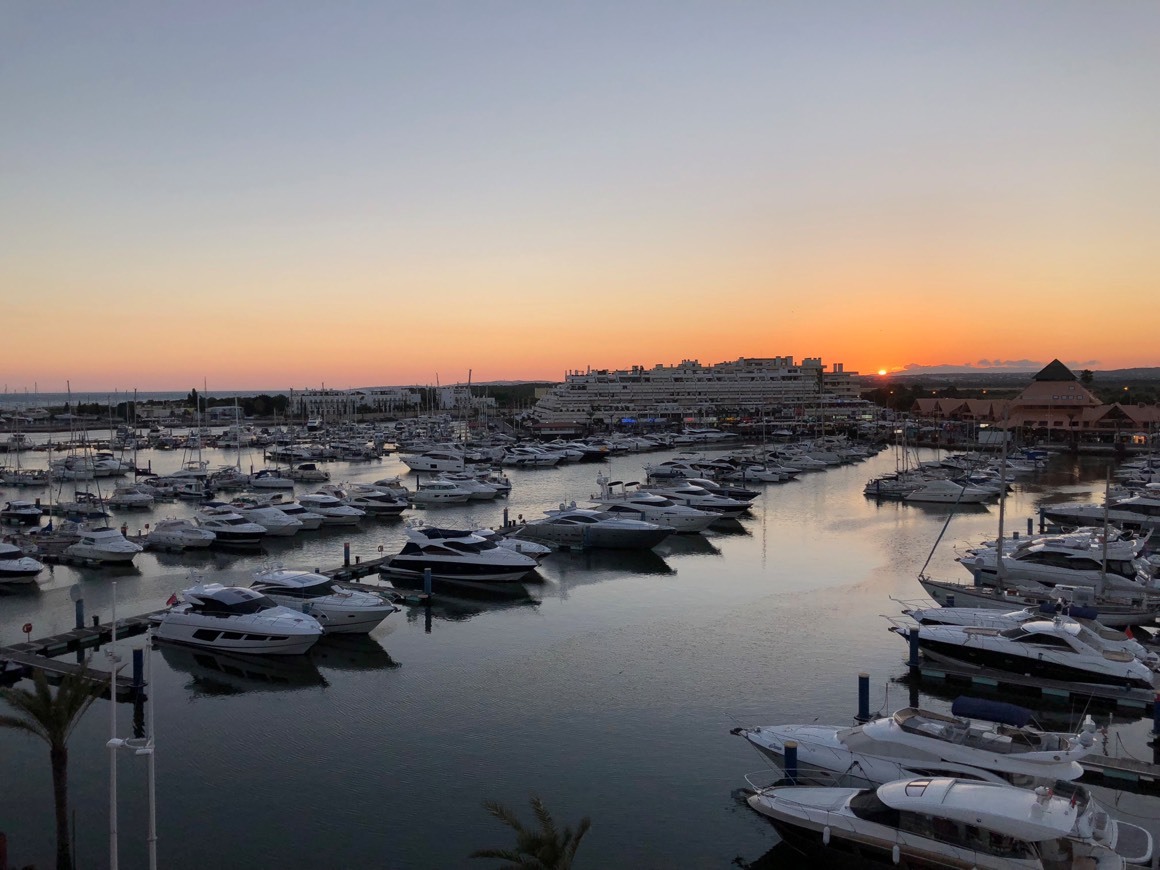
(338,610)
(15,567)
(276,522)
(231,528)
(310,520)
(1135,512)
(179,534)
(452,554)
(333,511)
(571,526)
(530,457)
(698,497)
(980,739)
(477,490)
(307,472)
(369,499)
(435,460)
(1043,563)
(651,507)
(23,512)
(131,497)
(270,478)
(440,492)
(237,619)
(1050,648)
(947,822)
(942,491)
(104,545)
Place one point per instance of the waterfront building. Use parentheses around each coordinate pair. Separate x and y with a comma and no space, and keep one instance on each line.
(746,388)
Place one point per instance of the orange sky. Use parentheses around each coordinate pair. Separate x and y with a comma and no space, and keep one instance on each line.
(387,195)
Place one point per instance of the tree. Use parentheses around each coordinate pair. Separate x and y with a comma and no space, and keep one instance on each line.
(1085,377)
(543,849)
(52,719)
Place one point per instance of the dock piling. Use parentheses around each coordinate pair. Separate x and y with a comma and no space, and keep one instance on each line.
(791,765)
(912,636)
(863,697)
(80,612)
(138,668)
(427,582)
(346,555)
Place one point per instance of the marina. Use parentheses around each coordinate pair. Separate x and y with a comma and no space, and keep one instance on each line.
(629,670)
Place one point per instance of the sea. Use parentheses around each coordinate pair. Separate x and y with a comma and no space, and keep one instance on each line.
(608,692)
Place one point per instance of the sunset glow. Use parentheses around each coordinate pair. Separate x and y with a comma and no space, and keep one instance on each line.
(375,193)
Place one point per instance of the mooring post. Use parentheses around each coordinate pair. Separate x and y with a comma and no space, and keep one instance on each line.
(1156,720)
(138,668)
(96,621)
(863,697)
(346,555)
(505,518)
(1030,526)
(80,612)
(791,767)
(912,636)
(427,582)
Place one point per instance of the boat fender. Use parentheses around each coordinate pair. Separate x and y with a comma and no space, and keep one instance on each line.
(896,854)
(826,835)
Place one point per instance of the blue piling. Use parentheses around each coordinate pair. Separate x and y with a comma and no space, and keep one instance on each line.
(863,697)
(427,581)
(80,612)
(791,766)
(346,555)
(138,668)
(912,636)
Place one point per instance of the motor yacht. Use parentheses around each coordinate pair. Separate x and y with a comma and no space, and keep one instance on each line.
(571,526)
(530,457)
(338,610)
(477,490)
(276,522)
(22,512)
(369,499)
(986,740)
(310,520)
(947,822)
(698,497)
(435,460)
(1044,563)
(1134,512)
(179,534)
(270,478)
(650,507)
(104,545)
(307,472)
(333,511)
(439,492)
(1050,648)
(453,554)
(230,527)
(131,497)
(942,491)
(237,619)
(15,567)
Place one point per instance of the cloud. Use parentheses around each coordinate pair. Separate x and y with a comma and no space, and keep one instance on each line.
(990,365)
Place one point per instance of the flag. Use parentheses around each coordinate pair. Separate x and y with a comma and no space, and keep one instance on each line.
(171,600)
(1128,633)
(1074,798)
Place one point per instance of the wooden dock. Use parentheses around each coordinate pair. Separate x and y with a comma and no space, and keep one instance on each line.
(1123,773)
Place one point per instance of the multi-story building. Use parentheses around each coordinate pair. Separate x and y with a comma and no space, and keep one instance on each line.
(768,387)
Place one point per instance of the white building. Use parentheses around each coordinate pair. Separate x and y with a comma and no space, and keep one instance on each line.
(770,387)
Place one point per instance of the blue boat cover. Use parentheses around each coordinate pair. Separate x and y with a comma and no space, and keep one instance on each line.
(992,711)
(1078,611)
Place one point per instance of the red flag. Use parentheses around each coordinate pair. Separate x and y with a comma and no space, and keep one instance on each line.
(1074,798)
(1128,633)
(171,600)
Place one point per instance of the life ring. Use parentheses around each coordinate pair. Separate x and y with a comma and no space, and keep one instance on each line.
(27,628)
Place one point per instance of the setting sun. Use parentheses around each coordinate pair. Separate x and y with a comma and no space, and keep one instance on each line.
(882,371)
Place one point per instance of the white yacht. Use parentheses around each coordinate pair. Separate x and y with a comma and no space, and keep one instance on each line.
(981,739)
(698,497)
(1046,562)
(131,497)
(1135,512)
(370,499)
(477,490)
(338,610)
(942,491)
(237,619)
(310,520)
(270,478)
(452,554)
(23,512)
(179,534)
(333,511)
(435,460)
(15,567)
(276,522)
(1050,648)
(440,492)
(650,506)
(571,526)
(956,823)
(104,545)
(231,528)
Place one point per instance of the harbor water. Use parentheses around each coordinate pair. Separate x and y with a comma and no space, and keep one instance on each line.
(609,692)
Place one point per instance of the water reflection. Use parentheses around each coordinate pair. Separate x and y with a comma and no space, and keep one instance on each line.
(216,674)
(351,652)
(687,545)
(729,526)
(596,564)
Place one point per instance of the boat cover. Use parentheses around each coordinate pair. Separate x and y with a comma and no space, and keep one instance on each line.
(992,711)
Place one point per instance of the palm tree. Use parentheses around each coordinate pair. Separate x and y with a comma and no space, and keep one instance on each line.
(545,849)
(52,719)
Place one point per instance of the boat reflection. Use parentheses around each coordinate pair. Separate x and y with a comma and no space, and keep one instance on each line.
(578,563)
(221,674)
(729,526)
(687,545)
(351,652)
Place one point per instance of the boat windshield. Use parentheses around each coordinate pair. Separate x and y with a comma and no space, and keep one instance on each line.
(232,605)
(867,805)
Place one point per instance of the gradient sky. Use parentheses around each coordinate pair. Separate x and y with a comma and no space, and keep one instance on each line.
(289,194)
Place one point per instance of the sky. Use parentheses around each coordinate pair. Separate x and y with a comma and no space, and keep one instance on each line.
(297,194)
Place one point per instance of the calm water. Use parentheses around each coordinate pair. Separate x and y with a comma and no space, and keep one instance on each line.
(611,695)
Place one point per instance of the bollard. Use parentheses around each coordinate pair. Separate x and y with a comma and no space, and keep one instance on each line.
(505,518)
(138,668)
(346,555)
(427,582)
(96,621)
(1014,536)
(80,612)
(791,767)
(950,599)
(863,697)
(912,636)
(1030,526)
(357,559)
